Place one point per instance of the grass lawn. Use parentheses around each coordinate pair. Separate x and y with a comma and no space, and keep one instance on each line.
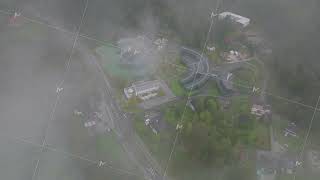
(210,89)
(262,134)
(108,148)
(213,89)
(177,88)
(279,124)
(111,63)
(244,77)
(107,143)
(171,75)
(240,102)
(215,58)
(283,176)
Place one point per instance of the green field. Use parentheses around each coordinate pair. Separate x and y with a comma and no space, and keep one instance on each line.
(294,143)
(110,59)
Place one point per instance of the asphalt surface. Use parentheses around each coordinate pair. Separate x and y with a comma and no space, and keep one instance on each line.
(130,141)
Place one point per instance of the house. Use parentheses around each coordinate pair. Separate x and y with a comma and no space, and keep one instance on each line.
(242,21)
(233,56)
(259,110)
(143,89)
(161,43)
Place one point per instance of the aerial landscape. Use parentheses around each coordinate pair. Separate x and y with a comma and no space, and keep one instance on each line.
(159,90)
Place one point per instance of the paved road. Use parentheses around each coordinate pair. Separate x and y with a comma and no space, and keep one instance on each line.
(131,142)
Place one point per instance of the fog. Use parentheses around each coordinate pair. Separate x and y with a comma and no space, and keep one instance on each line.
(31,68)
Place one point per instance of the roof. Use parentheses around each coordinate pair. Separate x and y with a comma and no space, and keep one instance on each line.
(144,85)
(235,17)
(198,64)
(257,106)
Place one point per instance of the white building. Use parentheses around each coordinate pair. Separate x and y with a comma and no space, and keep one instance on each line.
(243,21)
(259,110)
(161,43)
(144,90)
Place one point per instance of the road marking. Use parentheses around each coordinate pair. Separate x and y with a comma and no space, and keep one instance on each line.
(68,154)
(189,94)
(299,162)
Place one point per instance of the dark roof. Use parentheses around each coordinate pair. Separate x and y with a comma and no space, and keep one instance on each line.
(198,72)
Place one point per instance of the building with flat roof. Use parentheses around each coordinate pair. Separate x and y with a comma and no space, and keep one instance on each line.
(143,89)
(243,21)
(151,93)
(259,110)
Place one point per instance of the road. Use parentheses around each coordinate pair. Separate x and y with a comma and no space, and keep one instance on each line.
(123,127)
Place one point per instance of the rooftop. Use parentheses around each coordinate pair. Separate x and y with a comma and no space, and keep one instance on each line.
(144,85)
(235,17)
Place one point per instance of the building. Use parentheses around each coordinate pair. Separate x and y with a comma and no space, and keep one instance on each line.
(233,56)
(161,43)
(143,89)
(259,110)
(242,21)
(198,68)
